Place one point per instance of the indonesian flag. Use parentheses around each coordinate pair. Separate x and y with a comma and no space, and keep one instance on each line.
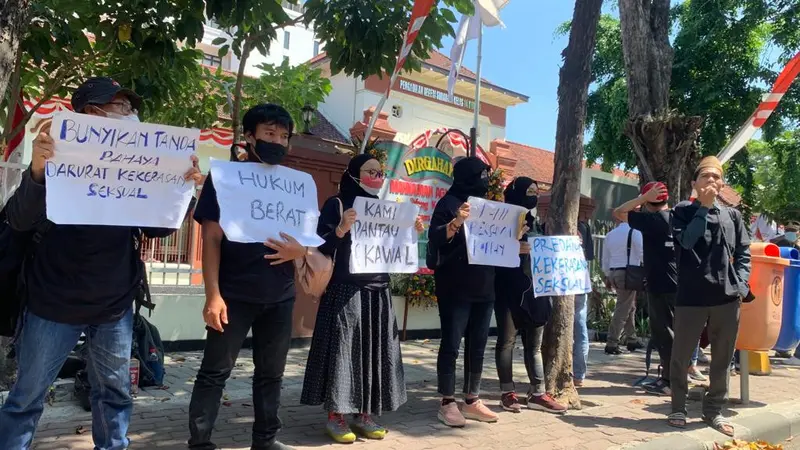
(487,12)
(10,176)
(768,104)
(419,13)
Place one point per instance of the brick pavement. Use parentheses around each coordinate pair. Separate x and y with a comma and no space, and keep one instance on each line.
(614,413)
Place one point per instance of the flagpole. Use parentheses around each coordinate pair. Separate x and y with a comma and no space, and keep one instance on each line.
(473,132)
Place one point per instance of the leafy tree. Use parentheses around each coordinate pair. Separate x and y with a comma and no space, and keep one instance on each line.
(123,39)
(361,38)
(714,72)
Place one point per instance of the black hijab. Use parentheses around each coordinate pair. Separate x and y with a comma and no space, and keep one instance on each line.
(468,180)
(349,188)
(516,193)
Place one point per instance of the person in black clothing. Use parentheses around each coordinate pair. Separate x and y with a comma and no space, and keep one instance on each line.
(516,308)
(248,286)
(465,293)
(80,279)
(714,270)
(354,365)
(653,221)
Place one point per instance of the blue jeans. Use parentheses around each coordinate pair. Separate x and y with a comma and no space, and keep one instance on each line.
(696,355)
(42,348)
(580,338)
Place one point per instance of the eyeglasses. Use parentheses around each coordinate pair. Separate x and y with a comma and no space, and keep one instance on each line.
(124,107)
(374,173)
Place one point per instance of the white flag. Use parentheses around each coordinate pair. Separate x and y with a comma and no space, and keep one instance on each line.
(470,28)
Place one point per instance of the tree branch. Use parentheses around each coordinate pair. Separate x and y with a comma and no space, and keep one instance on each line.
(237,90)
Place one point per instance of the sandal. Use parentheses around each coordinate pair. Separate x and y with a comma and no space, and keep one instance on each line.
(677,420)
(720,424)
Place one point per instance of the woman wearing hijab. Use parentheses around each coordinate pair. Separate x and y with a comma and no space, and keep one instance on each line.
(354,366)
(516,308)
(465,293)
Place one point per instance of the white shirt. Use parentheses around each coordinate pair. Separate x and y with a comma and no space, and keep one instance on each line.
(615,248)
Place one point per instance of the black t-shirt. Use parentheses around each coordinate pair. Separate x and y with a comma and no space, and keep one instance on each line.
(244,274)
(659,250)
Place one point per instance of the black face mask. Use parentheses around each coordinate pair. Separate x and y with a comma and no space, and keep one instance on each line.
(478,188)
(270,152)
(531,201)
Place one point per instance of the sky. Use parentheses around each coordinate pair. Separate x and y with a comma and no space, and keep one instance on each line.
(525,57)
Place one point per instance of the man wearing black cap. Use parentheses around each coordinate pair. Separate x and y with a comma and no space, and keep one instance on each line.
(80,279)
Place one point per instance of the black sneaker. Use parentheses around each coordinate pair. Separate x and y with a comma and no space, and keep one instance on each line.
(783,354)
(277,445)
(613,350)
(658,387)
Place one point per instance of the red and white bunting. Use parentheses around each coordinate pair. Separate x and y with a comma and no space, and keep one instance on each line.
(419,13)
(768,104)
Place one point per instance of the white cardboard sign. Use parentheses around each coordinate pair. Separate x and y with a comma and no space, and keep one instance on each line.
(491,231)
(558,266)
(259,201)
(114,172)
(383,237)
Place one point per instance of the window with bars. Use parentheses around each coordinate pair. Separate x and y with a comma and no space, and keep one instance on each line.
(286,37)
(212,60)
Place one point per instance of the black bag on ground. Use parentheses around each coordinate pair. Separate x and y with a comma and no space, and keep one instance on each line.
(634,275)
(83,390)
(149,350)
(15,248)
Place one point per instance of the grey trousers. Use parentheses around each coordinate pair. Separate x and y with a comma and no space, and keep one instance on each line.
(723,327)
(624,311)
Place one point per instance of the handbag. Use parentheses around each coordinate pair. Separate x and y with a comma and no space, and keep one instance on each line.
(634,275)
(750,296)
(313,271)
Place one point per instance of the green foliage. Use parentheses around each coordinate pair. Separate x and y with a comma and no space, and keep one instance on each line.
(721,67)
(291,87)
(775,168)
(363,38)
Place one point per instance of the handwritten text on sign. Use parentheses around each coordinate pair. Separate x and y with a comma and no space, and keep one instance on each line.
(258,202)
(491,231)
(384,238)
(558,266)
(114,172)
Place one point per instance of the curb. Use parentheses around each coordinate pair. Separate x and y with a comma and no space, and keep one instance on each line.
(775,424)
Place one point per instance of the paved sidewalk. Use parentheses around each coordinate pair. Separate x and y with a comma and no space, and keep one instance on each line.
(614,415)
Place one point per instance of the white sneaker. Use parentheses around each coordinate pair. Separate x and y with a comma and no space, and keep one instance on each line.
(793,361)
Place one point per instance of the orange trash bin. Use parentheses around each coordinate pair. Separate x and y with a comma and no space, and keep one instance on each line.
(760,322)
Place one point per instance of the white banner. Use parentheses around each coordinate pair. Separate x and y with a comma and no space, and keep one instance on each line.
(115,172)
(491,231)
(558,266)
(384,239)
(258,202)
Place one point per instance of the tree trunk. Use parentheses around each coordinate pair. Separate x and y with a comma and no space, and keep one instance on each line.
(13,20)
(236,114)
(562,216)
(662,139)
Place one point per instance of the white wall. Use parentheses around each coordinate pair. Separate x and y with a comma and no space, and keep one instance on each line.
(301,47)
(339,106)
(588,174)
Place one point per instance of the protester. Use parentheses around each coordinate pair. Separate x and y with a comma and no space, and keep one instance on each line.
(653,221)
(248,286)
(714,268)
(81,279)
(517,310)
(354,365)
(580,328)
(622,248)
(465,293)
(787,239)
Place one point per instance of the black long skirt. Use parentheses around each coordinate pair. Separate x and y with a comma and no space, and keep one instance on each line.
(355,364)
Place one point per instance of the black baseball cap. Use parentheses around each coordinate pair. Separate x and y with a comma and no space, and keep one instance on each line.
(100,91)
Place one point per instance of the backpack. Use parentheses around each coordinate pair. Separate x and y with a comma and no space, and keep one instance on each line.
(149,350)
(16,247)
(313,272)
